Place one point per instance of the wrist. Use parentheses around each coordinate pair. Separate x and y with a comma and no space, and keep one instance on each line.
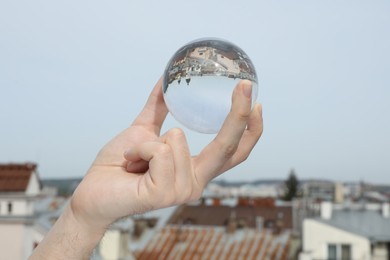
(85,226)
(69,238)
(87,211)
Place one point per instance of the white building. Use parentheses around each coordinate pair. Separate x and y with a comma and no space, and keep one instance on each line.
(265,190)
(348,232)
(19,187)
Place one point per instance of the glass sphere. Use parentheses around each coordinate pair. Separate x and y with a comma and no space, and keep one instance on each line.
(199,80)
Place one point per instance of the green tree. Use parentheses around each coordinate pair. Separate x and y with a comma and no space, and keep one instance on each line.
(291,187)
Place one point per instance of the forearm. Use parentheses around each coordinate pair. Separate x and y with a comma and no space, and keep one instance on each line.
(68,239)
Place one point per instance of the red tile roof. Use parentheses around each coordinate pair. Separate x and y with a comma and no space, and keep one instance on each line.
(197,242)
(246,215)
(15,177)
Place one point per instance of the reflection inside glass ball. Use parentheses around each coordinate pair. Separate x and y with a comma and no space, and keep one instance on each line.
(199,81)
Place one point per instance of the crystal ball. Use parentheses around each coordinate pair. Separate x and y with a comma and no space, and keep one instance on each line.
(199,80)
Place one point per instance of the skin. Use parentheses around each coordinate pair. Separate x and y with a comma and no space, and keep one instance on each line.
(140,170)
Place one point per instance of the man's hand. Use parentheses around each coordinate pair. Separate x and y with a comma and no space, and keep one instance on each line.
(141,170)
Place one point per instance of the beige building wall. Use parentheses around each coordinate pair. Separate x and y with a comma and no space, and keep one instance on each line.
(20,207)
(11,241)
(379,252)
(230,64)
(317,236)
(4,207)
(31,239)
(114,245)
(201,53)
(109,247)
(17,240)
(33,185)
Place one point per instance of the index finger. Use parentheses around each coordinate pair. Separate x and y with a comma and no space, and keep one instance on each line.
(213,157)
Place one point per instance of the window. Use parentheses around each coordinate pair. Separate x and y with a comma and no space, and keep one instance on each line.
(269,223)
(9,207)
(332,252)
(339,251)
(345,252)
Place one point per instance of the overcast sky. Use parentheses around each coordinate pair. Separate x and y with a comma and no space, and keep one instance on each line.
(75,73)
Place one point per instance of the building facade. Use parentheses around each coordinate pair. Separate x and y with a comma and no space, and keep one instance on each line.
(19,188)
(353,231)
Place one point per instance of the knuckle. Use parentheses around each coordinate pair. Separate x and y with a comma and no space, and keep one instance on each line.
(229,150)
(176,133)
(164,150)
(242,115)
(243,158)
(257,129)
(261,130)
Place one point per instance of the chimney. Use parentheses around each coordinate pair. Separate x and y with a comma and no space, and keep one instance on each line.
(232,223)
(386,210)
(326,210)
(259,223)
(140,226)
(338,192)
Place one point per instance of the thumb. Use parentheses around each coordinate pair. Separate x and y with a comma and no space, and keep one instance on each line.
(154,112)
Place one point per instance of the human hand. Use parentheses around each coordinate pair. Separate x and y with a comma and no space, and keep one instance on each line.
(141,170)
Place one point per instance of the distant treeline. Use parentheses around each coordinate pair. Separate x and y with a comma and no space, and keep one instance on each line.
(65,187)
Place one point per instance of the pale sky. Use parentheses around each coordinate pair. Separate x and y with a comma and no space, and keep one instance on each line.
(75,73)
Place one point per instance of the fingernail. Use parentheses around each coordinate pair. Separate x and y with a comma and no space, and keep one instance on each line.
(247,88)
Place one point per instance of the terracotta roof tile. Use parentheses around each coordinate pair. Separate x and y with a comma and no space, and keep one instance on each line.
(15,177)
(197,242)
